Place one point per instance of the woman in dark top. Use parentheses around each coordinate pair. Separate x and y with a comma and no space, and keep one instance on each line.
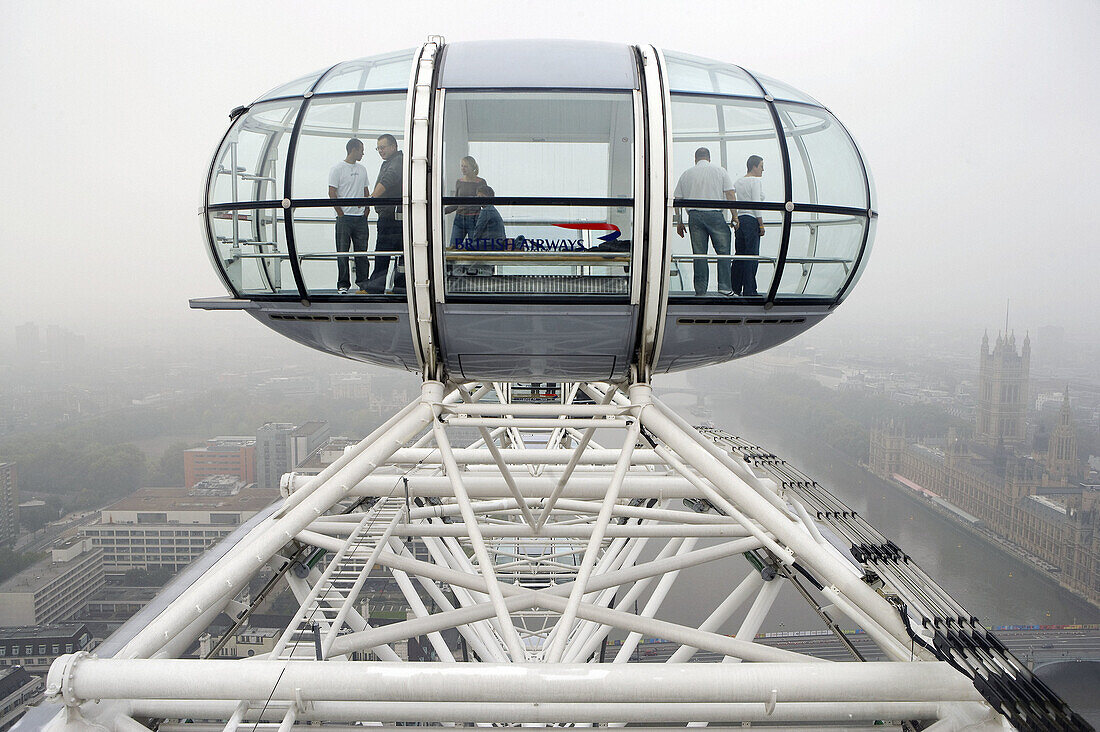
(465,216)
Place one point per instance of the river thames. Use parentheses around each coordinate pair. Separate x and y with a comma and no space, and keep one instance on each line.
(998,588)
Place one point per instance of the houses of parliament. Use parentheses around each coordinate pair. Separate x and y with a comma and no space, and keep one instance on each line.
(1032,495)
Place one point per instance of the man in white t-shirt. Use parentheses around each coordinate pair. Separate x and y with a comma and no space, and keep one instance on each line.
(348,179)
(749,226)
(706,182)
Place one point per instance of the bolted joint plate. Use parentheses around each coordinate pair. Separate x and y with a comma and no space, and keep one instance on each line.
(59,680)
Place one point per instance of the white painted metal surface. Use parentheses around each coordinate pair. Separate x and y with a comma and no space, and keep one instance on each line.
(518,558)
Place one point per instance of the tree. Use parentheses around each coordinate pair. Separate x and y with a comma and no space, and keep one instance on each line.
(168,470)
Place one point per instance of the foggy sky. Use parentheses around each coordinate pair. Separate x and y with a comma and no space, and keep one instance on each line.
(977,122)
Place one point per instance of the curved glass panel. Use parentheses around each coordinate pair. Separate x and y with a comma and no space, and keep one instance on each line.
(820,254)
(295,88)
(387,71)
(540,250)
(252,161)
(326,242)
(352,255)
(704,263)
(824,166)
(873,224)
(694,74)
(547,144)
(538,63)
(327,127)
(251,251)
(779,90)
(732,130)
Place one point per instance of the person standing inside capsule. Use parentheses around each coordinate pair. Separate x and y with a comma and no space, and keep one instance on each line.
(749,228)
(348,179)
(489,225)
(388,185)
(465,216)
(706,182)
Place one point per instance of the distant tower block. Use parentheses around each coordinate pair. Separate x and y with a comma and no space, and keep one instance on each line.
(1003,391)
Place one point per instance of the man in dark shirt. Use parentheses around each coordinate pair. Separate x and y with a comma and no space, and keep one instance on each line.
(390,237)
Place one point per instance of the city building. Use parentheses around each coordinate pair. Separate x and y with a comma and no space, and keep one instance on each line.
(9,504)
(280,446)
(35,647)
(234,456)
(171,527)
(1034,500)
(18,691)
(54,590)
(28,344)
(1061,458)
(245,643)
(325,454)
(1003,391)
(351,386)
(63,347)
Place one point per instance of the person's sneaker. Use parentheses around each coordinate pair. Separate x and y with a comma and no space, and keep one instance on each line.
(343,290)
(361,291)
(727,293)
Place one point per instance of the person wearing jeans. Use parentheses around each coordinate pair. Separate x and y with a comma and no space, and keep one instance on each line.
(348,179)
(749,227)
(706,182)
(352,230)
(709,226)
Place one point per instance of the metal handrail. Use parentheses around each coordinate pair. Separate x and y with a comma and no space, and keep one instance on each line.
(758,258)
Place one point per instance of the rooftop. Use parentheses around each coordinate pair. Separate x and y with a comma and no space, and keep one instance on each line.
(225,443)
(60,630)
(39,574)
(1049,504)
(218,485)
(250,498)
(13,678)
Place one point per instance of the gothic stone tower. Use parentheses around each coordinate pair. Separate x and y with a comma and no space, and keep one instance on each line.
(887,446)
(1062,454)
(1002,391)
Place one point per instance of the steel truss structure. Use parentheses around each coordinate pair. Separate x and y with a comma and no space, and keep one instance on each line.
(564,521)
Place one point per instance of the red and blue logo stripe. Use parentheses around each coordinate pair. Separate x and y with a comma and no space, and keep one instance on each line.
(614,234)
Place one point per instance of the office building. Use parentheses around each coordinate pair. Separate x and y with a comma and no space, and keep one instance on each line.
(234,456)
(171,527)
(280,446)
(9,504)
(53,590)
(35,647)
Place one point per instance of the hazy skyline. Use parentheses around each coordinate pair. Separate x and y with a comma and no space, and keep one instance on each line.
(976,122)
